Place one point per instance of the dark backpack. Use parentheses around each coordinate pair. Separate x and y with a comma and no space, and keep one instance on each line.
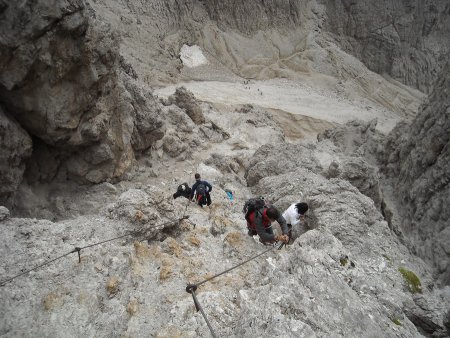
(257,203)
(201,189)
(183,190)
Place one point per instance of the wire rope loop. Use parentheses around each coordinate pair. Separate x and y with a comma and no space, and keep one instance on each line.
(191,288)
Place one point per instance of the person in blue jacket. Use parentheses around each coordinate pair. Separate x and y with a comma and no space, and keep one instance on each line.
(201,191)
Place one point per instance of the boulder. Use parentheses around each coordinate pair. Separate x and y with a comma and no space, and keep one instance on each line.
(4,213)
(186,100)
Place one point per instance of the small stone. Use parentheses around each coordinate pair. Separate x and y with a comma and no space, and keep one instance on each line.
(109,187)
(112,286)
(132,307)
(4,213)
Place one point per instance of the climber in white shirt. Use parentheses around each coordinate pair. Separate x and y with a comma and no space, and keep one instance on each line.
(295,214)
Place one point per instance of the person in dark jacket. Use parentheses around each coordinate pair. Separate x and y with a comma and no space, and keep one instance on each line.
(201,191)
(259,222)
(183,190)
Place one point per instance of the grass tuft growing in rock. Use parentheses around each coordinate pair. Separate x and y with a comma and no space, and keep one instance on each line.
(412,280)
(343,261)
(396,321)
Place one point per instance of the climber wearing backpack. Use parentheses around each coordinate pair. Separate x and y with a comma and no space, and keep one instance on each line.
(260,217)
(201,190)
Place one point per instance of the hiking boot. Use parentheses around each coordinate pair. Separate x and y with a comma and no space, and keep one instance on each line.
(251,232)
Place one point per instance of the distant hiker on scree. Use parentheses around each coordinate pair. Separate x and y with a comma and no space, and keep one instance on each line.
(294,215)
(259,222)
(201,191)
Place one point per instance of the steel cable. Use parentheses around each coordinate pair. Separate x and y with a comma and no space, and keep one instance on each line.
(191,288)
(78,249)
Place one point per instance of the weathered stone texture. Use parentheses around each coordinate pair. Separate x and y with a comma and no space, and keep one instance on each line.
(417,160)
(60,78)
(406,39)
(15,148)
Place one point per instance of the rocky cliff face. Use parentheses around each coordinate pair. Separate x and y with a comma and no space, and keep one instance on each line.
(255,40)
(62,79)
(68,75)
(340,277)
(75,105)
(417,161)
(408,39)
(16,148)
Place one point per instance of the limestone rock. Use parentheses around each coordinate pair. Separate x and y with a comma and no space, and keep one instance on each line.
(305,290)
(416,160)
(408,41)
(80,106)
(225,165)
(44,164)
(15,148)
(186,100)
(356,138)
(4,213)
(277,159)
(363,176)
(148,127)
(173,146)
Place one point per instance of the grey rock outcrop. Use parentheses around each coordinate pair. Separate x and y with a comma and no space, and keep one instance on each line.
(346,162)
(339,216)
(69,79)
(60,78)
(15,148)
(270,160)
(363,176)
(408,40)
(417,161)
(305,290)
(4,213)
(356,138)
(187,101)
(340,276)
(363,145)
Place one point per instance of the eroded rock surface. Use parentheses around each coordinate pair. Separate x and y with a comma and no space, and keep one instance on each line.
(407,40)
(417,161)
(60,78)
(15,146)
(342,275)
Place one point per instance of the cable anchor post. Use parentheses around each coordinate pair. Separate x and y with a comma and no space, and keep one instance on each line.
(77,249)
(191,288)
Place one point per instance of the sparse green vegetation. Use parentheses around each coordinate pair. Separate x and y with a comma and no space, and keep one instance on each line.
(396,321)
(412,280)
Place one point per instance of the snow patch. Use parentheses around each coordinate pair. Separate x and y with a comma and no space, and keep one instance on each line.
(192,56)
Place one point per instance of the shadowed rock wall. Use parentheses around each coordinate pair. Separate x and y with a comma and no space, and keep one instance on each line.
(15,149)
(417,160)
(405,39)
(61,78)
